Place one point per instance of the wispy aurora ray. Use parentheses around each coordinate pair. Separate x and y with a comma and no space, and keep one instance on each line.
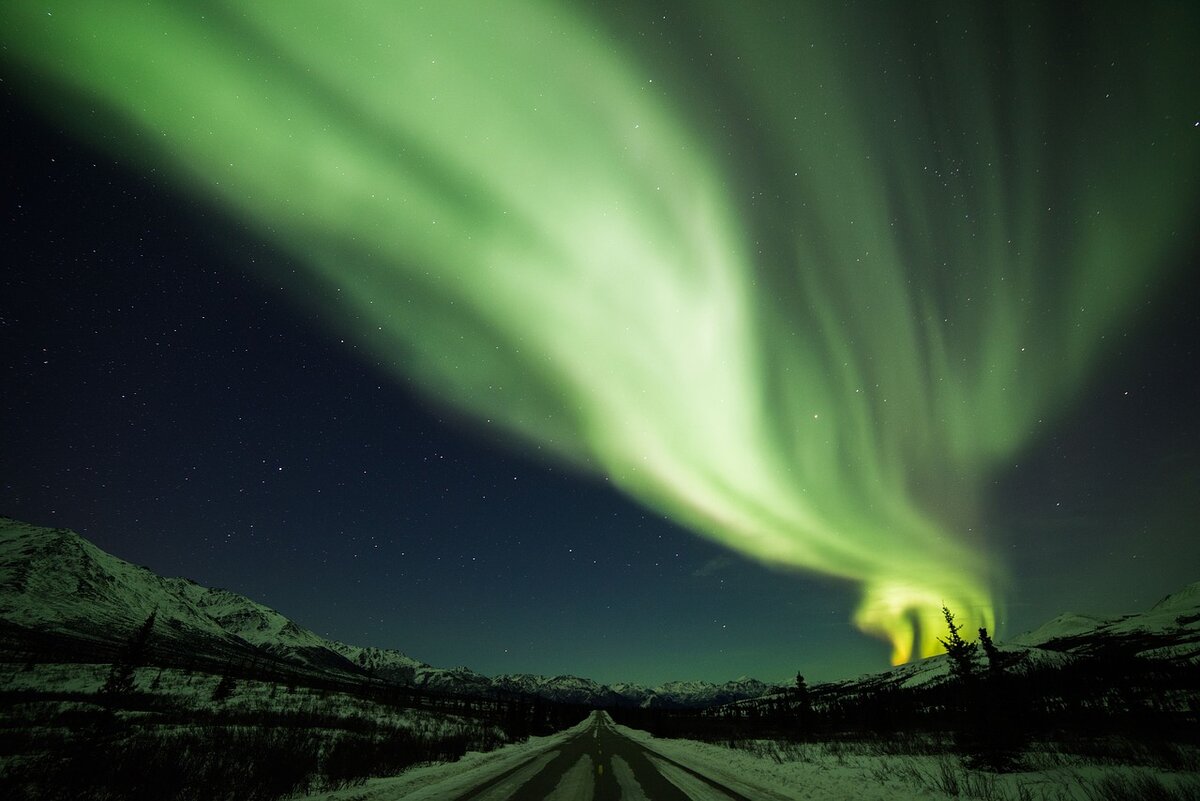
(809,318)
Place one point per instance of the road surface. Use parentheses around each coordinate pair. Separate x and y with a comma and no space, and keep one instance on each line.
(600,764)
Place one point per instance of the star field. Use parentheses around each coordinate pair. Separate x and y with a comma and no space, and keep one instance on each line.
(892,308)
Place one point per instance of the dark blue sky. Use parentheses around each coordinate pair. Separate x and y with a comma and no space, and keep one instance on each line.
(164,401)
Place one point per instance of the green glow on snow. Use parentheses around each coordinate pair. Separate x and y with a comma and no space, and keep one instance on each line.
(813,336)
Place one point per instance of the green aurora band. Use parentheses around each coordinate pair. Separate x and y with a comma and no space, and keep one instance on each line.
(804,284)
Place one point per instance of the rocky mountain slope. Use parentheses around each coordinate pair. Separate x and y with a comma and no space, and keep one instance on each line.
(59,591)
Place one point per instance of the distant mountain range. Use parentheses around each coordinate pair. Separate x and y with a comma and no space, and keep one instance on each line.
(61,594)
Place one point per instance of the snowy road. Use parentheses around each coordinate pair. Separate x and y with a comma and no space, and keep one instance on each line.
(600,764)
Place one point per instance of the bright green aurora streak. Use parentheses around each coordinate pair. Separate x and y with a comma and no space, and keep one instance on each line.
(804,284)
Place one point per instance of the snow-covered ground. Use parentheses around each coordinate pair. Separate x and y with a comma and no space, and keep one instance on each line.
(186,690)
(795,772)
(447,780)
(818,772)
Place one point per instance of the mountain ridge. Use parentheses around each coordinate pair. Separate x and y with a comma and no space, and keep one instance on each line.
(54,582)
(53,579)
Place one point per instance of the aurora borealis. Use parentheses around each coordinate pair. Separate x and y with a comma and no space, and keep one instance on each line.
(804,281)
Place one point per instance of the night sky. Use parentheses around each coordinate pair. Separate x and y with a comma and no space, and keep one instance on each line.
(574,428)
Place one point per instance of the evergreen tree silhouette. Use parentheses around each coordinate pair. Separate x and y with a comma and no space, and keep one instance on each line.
(962,653)
(994,657)
(223,689)
(803,702)
(131,656)
(1001,739)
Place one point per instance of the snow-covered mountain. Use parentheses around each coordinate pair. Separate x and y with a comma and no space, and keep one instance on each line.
(1168,631)
(383,663)
(54,583)
(574,690)
(696,693)
(59,591)
(563,689)
(458,680)
(1065,625)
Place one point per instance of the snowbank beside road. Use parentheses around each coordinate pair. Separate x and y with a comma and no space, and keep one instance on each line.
(450,779)
(760,778)
(817,772)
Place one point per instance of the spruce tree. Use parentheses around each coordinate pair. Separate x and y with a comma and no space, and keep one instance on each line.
(223,689)
(802,700)
(962,653)
(1000,739)
(995,659)
(131,656)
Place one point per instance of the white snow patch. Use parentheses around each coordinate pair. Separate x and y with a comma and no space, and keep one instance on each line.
(689,785)
(577,784)
(631,790)
(503,790)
